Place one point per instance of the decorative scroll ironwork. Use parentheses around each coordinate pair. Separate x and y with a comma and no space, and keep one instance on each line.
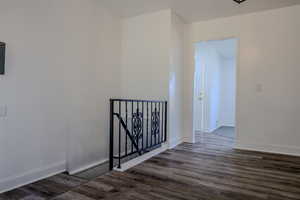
(137,123)
(155,122)
(239,1)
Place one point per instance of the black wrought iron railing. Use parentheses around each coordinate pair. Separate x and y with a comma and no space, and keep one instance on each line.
(136,127)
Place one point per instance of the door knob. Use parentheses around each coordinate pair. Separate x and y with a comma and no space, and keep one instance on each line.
(201,96)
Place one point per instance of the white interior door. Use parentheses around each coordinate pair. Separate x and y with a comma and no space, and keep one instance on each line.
(199,92)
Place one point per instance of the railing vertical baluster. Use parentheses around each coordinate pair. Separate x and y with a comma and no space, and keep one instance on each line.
(132,124)
(162,123)
(143,125)
(111,149)
(166,120)
(159,133)
(147,139)
(138,113)
(151,132)
(126,144)
(155,118)
(120,140)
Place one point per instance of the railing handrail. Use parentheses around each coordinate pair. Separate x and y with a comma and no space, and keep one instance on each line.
(139,100)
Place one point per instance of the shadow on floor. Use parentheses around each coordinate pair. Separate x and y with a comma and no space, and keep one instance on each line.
(94,172)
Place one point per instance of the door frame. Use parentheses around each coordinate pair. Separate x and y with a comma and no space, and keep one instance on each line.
(236,84)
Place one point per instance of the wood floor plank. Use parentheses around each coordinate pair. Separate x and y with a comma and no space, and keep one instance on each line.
(207,170)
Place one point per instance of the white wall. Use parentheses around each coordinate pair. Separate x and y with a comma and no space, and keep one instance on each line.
(93,52)
(268,101)
(176,81)
(61,56)
(146,56)
(152,63)
(228,90)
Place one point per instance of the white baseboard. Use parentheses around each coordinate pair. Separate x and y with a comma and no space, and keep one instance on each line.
(173,143)
(86,167)
(32,176)
(276,149)
(230,126)
(227,125)
(142,158)
(209,130)
(189,140)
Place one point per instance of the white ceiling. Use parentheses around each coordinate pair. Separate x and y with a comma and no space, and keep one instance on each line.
(194,10)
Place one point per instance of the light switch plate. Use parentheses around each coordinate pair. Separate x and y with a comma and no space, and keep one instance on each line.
(3,111)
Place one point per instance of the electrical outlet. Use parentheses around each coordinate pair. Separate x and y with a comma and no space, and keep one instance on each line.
(3,111)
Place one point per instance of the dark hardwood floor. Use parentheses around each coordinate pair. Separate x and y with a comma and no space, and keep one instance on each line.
(207,170)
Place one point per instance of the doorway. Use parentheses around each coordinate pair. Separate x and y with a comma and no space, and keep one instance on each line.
(215,89)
